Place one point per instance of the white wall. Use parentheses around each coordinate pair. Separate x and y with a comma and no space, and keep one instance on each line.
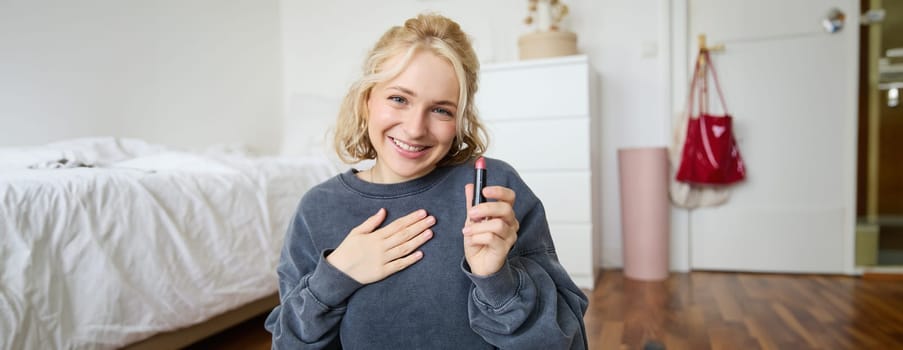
(625,43)
(181,73)
(193,73)
(325,44)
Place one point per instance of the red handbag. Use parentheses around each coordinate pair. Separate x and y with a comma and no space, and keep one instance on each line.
(710,155)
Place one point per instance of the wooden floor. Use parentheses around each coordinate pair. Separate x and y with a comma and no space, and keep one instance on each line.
(746,311)
(709,310)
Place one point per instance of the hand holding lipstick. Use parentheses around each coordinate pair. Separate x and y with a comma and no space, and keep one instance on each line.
(490,229)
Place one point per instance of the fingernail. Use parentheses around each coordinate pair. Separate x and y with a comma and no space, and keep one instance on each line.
(431,220)
(465,230)
(428,233)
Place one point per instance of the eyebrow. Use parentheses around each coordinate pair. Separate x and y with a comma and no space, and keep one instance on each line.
(413,94)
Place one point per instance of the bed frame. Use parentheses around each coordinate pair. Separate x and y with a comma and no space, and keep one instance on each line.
(186,336)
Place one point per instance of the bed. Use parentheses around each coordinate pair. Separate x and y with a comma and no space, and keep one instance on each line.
(107,242)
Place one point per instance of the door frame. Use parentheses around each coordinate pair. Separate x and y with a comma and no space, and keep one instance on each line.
(676,41)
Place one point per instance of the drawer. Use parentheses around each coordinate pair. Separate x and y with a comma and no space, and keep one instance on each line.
(541,144)
(534,92)
(566,196)
(574,246)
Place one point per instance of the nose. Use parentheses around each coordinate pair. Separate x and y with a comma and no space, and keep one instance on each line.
(415,125)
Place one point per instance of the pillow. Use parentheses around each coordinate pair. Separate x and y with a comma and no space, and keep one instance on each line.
(175,162)
(98,151)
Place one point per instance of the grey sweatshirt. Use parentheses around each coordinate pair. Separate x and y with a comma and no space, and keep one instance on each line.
(436,303)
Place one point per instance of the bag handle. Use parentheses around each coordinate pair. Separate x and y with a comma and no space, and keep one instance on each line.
(709,67)
(700,77)
(696,87)
(703,90)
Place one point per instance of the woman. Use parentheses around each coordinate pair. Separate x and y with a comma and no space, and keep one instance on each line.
(395,256)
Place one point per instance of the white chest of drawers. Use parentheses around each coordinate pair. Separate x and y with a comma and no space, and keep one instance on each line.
(541,119)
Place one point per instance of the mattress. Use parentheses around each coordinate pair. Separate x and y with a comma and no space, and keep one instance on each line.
(127,239)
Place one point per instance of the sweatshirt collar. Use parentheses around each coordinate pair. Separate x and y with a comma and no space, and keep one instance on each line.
(396,190)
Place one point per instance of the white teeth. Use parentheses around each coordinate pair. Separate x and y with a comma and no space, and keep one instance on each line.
(407,147)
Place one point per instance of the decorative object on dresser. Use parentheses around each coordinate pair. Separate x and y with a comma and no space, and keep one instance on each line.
(541,120)
(547,40)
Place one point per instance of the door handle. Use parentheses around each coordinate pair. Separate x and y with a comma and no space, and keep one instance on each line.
(834,20)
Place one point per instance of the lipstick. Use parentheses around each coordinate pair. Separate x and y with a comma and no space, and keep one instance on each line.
(479,181)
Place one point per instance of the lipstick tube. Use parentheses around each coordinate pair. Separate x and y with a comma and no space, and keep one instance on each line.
(479,181)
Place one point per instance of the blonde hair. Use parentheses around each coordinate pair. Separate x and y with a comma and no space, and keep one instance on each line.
(440,36)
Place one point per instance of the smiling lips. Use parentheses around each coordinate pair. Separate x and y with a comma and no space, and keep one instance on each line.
(407,147)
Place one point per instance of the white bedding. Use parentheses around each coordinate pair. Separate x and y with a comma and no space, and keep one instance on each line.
(148,240)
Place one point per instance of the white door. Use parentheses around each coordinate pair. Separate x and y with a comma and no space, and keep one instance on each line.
(792,89)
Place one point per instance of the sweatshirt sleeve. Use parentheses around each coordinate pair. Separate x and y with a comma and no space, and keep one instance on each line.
(531,302)
(313,294)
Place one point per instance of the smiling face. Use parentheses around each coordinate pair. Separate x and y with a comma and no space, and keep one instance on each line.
(411,117)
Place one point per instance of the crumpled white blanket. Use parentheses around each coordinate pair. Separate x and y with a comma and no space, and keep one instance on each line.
(153,240)
(68,160)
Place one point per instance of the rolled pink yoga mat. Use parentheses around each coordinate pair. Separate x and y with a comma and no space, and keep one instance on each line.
(645,212)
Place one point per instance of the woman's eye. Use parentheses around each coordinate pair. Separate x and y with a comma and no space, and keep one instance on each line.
(398,99)
(443,111)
